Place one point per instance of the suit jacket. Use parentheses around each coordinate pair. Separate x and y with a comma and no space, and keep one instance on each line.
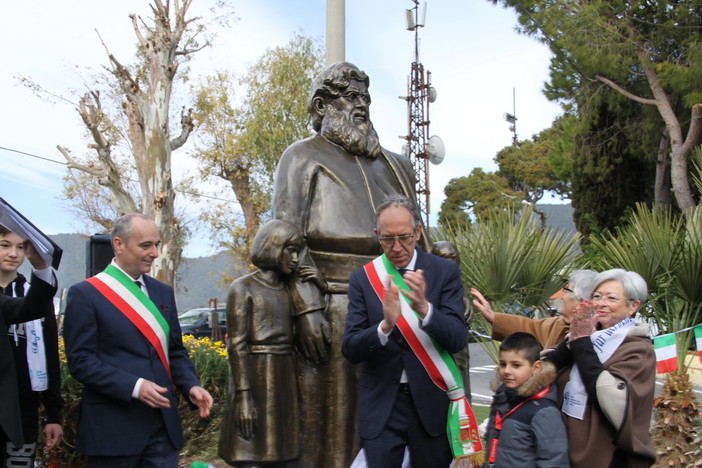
(383,365)
(108,354)
(36,304)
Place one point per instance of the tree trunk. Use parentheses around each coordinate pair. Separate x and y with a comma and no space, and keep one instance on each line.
(241,185)
(148,112)
(147,99)
(680,147)
(662,195)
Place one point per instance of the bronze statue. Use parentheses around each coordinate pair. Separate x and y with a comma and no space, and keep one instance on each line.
(329,186)
(449,251)
(261,420)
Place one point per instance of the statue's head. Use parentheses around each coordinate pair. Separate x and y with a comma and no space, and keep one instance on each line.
(339,108)
(276,246)
(445,249)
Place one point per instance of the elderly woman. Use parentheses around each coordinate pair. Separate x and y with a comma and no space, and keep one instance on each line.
(548,331)
(607,375)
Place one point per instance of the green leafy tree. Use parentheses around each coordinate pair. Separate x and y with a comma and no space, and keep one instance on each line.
(241,140)
(527,170)
(525,174)
(560,150)
(476,194)
(647,51)
(611,169)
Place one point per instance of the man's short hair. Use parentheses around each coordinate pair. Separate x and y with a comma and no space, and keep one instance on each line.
(524,343)
(399,201)
(123,226)
(331,83)
(4,230)
(582,282)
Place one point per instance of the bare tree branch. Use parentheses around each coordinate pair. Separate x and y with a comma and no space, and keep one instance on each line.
(619,89)
(186,126)
(73,164)
(142,40)
(694,133)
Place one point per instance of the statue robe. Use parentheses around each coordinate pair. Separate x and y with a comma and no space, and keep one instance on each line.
(331,196)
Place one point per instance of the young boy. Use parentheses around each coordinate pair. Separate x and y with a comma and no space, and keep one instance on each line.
(525,427)
(38,376)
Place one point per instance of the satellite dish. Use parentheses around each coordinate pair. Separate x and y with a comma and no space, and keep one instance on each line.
(431,95)
(437,150)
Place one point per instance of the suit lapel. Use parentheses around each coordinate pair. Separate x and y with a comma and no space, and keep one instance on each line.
(156,294)
(423,262)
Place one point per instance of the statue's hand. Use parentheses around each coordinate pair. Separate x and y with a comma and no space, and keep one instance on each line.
(310,273)
(313,335)
(245,414)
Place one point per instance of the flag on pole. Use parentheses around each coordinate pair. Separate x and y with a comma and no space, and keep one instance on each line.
(698,339)
(666,360)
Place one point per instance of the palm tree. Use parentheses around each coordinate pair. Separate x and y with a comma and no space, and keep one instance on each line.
(515,263)
(666,249)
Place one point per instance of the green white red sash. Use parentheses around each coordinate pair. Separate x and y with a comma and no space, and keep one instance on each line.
(128,298)
(461,426)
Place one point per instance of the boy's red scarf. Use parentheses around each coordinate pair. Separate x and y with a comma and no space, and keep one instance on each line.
(461,427)
(129,299)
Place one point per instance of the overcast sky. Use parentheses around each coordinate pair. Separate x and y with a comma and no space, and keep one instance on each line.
(470,46)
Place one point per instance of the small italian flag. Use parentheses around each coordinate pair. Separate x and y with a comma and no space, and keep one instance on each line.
(698,339)
(666,360)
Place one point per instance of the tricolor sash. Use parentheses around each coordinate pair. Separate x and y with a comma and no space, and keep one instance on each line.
(461,426)
(129,299)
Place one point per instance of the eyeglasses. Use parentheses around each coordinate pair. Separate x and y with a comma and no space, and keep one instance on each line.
(610,300)
(389,241)
(353,96)
(567,289)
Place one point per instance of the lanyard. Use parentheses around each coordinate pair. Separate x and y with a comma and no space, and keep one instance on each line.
(499,419)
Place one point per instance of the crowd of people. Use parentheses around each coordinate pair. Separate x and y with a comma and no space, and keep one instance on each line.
(571,390)
(605,377)
(347,346)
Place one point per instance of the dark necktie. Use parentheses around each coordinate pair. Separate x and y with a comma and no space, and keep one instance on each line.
(403,271)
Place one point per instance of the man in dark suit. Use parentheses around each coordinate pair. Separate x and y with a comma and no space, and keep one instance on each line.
(37,303)
(399,405)
(123,343)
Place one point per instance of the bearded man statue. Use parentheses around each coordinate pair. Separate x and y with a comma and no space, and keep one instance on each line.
(329,185)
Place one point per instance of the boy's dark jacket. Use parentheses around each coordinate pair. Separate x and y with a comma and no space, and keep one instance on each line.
(534,435)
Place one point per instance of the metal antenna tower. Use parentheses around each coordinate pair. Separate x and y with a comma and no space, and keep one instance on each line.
(419,95)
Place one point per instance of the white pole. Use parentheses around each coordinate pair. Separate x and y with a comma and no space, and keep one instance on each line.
(336,31)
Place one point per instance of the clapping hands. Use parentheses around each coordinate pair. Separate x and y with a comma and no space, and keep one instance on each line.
(583,323)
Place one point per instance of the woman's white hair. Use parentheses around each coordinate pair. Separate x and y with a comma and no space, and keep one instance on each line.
(635,286)
(582,283)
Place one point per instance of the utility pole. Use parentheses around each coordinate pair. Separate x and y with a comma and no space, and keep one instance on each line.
(336,31)
(512,118)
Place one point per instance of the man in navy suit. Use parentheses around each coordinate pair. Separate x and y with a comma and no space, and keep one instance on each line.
(123,343)
(399,405)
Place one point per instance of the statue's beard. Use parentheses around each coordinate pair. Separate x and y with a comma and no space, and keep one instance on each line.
(358,138)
